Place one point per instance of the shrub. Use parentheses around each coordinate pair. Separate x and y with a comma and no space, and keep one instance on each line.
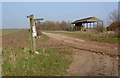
(99,29)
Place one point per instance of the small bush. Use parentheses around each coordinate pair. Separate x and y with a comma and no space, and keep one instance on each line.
(99,29)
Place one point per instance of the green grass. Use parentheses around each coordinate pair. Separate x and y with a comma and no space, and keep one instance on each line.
(5,32)
(108,40)
(17,62)
(87,36)
(43,38)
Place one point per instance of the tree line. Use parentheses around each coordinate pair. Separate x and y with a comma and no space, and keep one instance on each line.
(53,25)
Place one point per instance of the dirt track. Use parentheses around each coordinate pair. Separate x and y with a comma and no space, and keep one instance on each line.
(92,46)
(91,58)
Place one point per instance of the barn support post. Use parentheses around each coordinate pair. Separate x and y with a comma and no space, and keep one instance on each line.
(87,25)
(90,25)
(79,27)
(93,24)
(75,28)
(102,23)
(97,24)
(82,25)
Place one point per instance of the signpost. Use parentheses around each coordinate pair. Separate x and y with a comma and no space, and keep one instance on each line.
(33,31)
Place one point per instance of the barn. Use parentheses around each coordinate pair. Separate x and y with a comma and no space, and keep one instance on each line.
(89,22)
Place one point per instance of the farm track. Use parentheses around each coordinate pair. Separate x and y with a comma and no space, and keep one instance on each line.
(90,58)
(91,46)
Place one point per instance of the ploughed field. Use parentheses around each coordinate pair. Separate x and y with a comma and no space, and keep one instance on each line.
(58,55)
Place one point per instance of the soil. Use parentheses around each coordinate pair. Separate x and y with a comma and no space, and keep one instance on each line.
(16,40)
(92,64)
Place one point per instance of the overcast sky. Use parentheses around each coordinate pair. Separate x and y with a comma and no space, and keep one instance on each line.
(14,13)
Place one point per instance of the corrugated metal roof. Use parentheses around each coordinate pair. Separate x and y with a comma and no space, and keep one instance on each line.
(89,19)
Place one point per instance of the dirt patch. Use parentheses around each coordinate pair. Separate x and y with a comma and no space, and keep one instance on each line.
(92,64)
(18,39)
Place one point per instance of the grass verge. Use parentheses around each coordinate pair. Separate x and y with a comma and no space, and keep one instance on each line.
(18,62)
(87,36)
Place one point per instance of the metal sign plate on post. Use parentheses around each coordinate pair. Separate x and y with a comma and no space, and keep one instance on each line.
(34,32)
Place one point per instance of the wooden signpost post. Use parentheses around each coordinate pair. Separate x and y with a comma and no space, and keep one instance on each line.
(33,32)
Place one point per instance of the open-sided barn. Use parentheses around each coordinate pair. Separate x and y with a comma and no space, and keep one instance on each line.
(79,24)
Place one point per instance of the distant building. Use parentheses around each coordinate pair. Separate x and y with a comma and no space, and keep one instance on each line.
(115,26)
(89,22)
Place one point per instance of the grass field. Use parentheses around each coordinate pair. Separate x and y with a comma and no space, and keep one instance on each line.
(49,62)
(4,32)
(87,36)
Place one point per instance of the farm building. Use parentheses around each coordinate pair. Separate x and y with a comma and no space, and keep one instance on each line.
(89,22)
(115,26)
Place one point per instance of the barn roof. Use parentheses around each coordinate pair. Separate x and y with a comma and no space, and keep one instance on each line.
(87,20)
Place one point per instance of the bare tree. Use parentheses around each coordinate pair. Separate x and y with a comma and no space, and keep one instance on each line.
(113,17)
